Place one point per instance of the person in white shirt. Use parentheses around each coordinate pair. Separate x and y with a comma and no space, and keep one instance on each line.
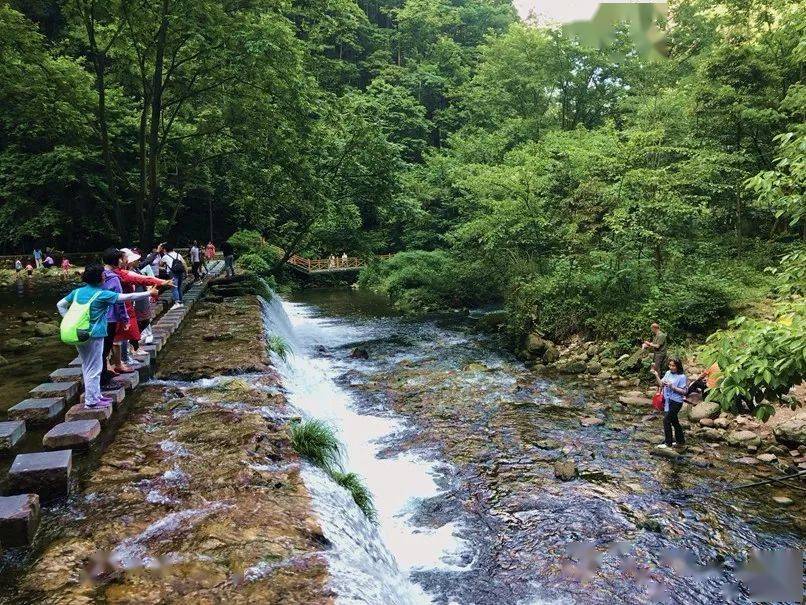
(195,259)
(177,269)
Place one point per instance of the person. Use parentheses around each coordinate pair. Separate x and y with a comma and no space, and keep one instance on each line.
(29,268)
(18,266)
(331,261)
(343,259)
(706,381)
(674,384)
(195,259)
(657,345)
(38,257)
(66,267)
(139,311)
(91,351)
(49,262)
(113,259)
(229,259)
(177,269)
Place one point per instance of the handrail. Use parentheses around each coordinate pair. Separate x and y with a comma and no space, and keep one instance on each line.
(338,263)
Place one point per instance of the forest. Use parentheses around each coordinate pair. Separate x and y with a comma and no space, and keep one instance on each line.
(589,190)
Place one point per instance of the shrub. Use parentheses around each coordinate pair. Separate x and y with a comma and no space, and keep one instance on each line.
(255,263)
(360,493)
(695,305)
(246,241)
(316,441)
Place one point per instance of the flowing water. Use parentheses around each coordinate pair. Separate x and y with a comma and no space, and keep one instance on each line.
(457,440)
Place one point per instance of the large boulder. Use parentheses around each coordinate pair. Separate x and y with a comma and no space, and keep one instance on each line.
(630,363)
(16,345)
(536,345)
(706,409)
(574,366)
(743,438)
(792,432)
(565,470)
(552,354)
(594,367)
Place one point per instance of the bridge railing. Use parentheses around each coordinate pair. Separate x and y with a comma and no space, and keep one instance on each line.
(331,264)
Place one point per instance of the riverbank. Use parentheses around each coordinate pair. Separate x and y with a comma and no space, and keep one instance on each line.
(199,496)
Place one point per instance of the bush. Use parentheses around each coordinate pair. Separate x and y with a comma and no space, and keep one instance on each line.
(360,493)
(693,305)
(246,241)
(255,263)
(316,441)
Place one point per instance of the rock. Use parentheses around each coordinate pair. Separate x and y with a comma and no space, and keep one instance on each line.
(552,354)
(792,432)
(565,470)
(25,316)
(218,337)
(3,361)
(744,438)
(43,329)
(74,433)
(706,422)
(72,374)
(721,423)
(572,367)
(706,409)
(16,345)
(782,500)
(359,353)
(767,457)
(592,350)
(630,363)
(37,410)
(66,390)
(10,433)
(548,444)
(635,398)
(667,452)
(607,362)
(19,519)
(701,461)
(593,367)
(46,474)
(710,434)
(590,421)
(536,345)
(747,460)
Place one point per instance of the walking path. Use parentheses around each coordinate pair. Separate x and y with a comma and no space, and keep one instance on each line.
(334,265)
(45,474)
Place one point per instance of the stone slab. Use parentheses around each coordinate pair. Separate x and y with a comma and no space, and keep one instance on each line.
(66,374)
(116,393)
(129,380)
(37,410)
(67,390)
(44,473)
(75,363)
(81,412)
(150,349)
(19,519)
(10,433)
(143,370)
(76,433)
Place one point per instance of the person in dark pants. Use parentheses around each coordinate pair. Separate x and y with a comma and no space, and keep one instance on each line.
(229,258)
(113,259)
(675,387)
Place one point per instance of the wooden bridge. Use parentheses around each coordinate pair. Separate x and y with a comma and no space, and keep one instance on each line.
(331,265)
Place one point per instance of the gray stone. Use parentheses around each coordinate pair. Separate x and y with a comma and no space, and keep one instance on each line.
(721,423)
(76,363)
(150,349)
(594,367)
(767,457)
(548,444)
(116,393)
(81,412)
(129,380)
(565,470)
(782,500)
(16,345)
(76,433)
(706,409)
(66,390)
(745,438)
(572,367)
(45,473)
(666,452)
(792,432)
(37,411)
(590,421)
(706,422)
(552,354)
(45,329)
(711,434)
(535,344)
(10,433)
(66,375)
(19,519)
(635,399)
(749,460)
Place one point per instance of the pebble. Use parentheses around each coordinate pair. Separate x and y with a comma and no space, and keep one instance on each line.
(590,421)
(746,460)
(767,457)
(782,500)
(706,422)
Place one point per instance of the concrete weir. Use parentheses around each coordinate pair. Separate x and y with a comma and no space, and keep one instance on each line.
(46,474)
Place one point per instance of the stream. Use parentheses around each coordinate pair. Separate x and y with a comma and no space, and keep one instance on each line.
(456,440)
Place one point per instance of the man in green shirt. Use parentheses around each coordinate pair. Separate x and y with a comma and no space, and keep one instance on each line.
(658,347)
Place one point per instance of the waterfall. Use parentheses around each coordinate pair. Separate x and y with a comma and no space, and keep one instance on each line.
(369,563)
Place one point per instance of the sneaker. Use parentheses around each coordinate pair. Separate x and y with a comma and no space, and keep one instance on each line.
(176,305)
(662,446)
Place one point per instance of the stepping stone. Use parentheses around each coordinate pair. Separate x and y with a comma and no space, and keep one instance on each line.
(142,369)
(128,380)
(66,390)
(82,412)
(76,363)
(150,349)
(76,433)
(66,375)
(45,473)
(19,519)
(116,393)
(37,411)
(10,433)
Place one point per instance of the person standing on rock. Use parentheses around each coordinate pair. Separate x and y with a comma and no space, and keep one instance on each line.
(229,258)
(91,352)
(177,270)
(657,345)
(195,259)
(38,257)
(18,266)
(675,387)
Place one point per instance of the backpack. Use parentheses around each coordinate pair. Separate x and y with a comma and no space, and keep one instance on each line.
(75,326)
(178,266)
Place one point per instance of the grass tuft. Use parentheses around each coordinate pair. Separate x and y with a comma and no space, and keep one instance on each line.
(360,492)
(279,345)
(316,441)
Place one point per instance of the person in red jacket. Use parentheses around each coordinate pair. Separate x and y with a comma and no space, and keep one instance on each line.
(129,280)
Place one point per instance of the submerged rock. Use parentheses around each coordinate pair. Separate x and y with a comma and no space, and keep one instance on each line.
(565,470)
(359,353)
(792,432)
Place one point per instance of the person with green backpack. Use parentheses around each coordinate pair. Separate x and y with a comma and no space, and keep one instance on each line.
(84,325)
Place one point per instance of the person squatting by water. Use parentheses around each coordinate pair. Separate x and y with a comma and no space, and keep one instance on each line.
(101,303)
(674,383)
